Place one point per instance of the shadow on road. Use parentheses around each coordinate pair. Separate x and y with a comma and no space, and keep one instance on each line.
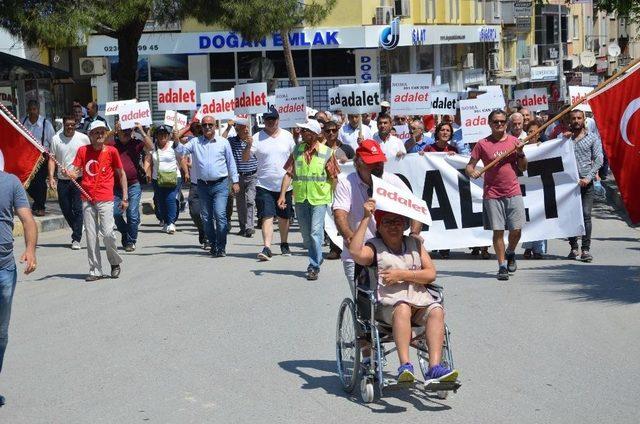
(63,276)
(330,383)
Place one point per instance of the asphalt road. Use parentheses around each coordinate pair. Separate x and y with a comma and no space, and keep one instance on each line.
(185,338)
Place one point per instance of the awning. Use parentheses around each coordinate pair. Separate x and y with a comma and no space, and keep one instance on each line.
(13,68)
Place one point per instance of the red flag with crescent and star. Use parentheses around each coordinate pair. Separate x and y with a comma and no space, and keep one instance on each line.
(21,156)
(616,109)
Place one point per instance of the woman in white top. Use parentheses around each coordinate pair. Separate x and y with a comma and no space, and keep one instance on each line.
(163,165)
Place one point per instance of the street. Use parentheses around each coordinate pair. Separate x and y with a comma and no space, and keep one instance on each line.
(182,337)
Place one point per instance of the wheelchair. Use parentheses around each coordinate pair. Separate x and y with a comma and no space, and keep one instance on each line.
(357,327)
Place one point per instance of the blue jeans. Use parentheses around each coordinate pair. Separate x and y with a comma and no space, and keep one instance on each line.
(213,211)
(71,207)
(8,278)
(128,228)
(311,220)
(167,201)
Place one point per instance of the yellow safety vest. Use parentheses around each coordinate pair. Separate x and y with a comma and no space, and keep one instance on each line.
(310,182)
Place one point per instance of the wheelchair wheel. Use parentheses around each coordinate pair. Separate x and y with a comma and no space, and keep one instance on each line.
(347,346)
(367,391)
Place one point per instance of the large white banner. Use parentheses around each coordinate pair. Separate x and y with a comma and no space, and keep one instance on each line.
(410,94)
(534,99)
(550,191)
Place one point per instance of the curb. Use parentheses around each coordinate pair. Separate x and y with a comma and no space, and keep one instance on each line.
(43,225)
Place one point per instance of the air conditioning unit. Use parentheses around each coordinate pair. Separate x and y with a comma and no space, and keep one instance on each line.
(468,61)
(401,8)
(533,56)
(384,15)
(92,66)
(494,63)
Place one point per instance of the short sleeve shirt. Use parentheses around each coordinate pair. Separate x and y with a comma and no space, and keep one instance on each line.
(391,147)
(64,149)
(272,153)
(130,154)
(501,180)
(98,171)
(12,197)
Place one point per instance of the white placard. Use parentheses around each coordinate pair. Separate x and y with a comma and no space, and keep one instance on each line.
(474,117)
(392,199)
(367,62)
(332,93)
(250,98)
(177,95)
(112,108)
(576,92)
(444,103)
(356,98)
(551,196)
(495,93)
(534,99)
(291,104)
(132,113)
(175,119)
(217,103)
(271,101)
(402,132)
(410,94)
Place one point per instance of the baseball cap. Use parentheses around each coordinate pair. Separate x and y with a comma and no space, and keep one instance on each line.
(271,114)
(311,125)
(97,124)
(370,152)
(165,128)
(241,120)
(385,104)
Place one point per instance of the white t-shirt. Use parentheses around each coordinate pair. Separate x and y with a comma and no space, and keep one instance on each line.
(272,154)
(165,160)
(349,135)
(64,149)
(391,147)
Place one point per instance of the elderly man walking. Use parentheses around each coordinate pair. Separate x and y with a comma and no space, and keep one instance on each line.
(246,197)
(212,158)
(503,207)
(99,165)
(314,172)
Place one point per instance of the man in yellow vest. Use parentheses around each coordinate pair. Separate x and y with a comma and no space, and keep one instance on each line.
(314,171)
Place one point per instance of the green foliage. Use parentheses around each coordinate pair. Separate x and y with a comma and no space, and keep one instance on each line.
(624,8)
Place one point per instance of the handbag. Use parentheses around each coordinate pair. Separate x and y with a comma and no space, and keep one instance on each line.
(166,178)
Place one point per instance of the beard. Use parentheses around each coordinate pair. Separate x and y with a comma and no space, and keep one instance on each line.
(576,127)
(377,172)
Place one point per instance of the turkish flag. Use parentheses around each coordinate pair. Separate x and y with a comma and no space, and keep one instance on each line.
(21,156)
(616,110)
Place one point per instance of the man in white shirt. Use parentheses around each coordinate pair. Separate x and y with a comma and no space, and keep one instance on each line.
(350,132)
(391,145)
(43,132)
(64,146)
(271,147)
(516,126)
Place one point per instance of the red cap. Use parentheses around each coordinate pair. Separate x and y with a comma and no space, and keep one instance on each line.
(370,152)
(379,215)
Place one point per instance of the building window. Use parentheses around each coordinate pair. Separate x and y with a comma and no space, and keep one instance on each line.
(478,10)
(425,58)
(142,72)
(454,11)
(589,32)
(509,63)
(430,10)
(332,63)
(222,66)
(245,60)
(448,56)
(300,62)
(169,67)
(575,27)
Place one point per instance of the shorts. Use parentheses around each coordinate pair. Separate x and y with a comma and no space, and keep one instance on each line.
(419,314)
(267,204)
(504,213)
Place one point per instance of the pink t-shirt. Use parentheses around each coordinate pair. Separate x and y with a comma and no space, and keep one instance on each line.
(502,179)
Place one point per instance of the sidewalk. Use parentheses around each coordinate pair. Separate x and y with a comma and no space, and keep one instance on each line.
(54,220)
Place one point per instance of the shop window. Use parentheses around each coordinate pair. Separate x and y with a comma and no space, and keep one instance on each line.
(142,73)
(169,67)
(300,62)
(425,58)
(448,55)
(394,61)
(222,66)
(332,63)
(245,59)
(222,85)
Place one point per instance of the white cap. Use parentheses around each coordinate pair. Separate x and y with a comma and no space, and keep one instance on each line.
(311,125)
(385,103)
(240,120)
(97,124)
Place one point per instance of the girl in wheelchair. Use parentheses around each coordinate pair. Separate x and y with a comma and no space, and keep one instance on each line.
(404,272)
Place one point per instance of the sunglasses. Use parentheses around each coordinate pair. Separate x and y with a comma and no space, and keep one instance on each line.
(501,122)
(208,125)
(393,221)
(331,130)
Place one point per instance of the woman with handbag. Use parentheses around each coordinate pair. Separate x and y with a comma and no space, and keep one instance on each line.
(165,165)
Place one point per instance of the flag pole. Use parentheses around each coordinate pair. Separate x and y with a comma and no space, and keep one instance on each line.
(575,104)
(40,147)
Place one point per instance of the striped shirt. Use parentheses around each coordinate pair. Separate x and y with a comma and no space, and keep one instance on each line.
(588,151)
(237,147)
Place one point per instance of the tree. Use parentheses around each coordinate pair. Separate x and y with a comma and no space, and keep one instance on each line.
(624,8)
(256,19)
(64,23)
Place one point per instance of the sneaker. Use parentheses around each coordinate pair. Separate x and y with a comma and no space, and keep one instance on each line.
(249,232)
(171,229)
(161,223)
(2,400)
(221,253)
(573,254)
(512,265)
(206,246)
(241,232)
(90,278)
(440,374)
(284,249)
(333,255)
(165,228)
(75,245)
(586,256)
(265,255)
(405,373)
(130,247)
(115,271)
(312,274)
(503,273)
